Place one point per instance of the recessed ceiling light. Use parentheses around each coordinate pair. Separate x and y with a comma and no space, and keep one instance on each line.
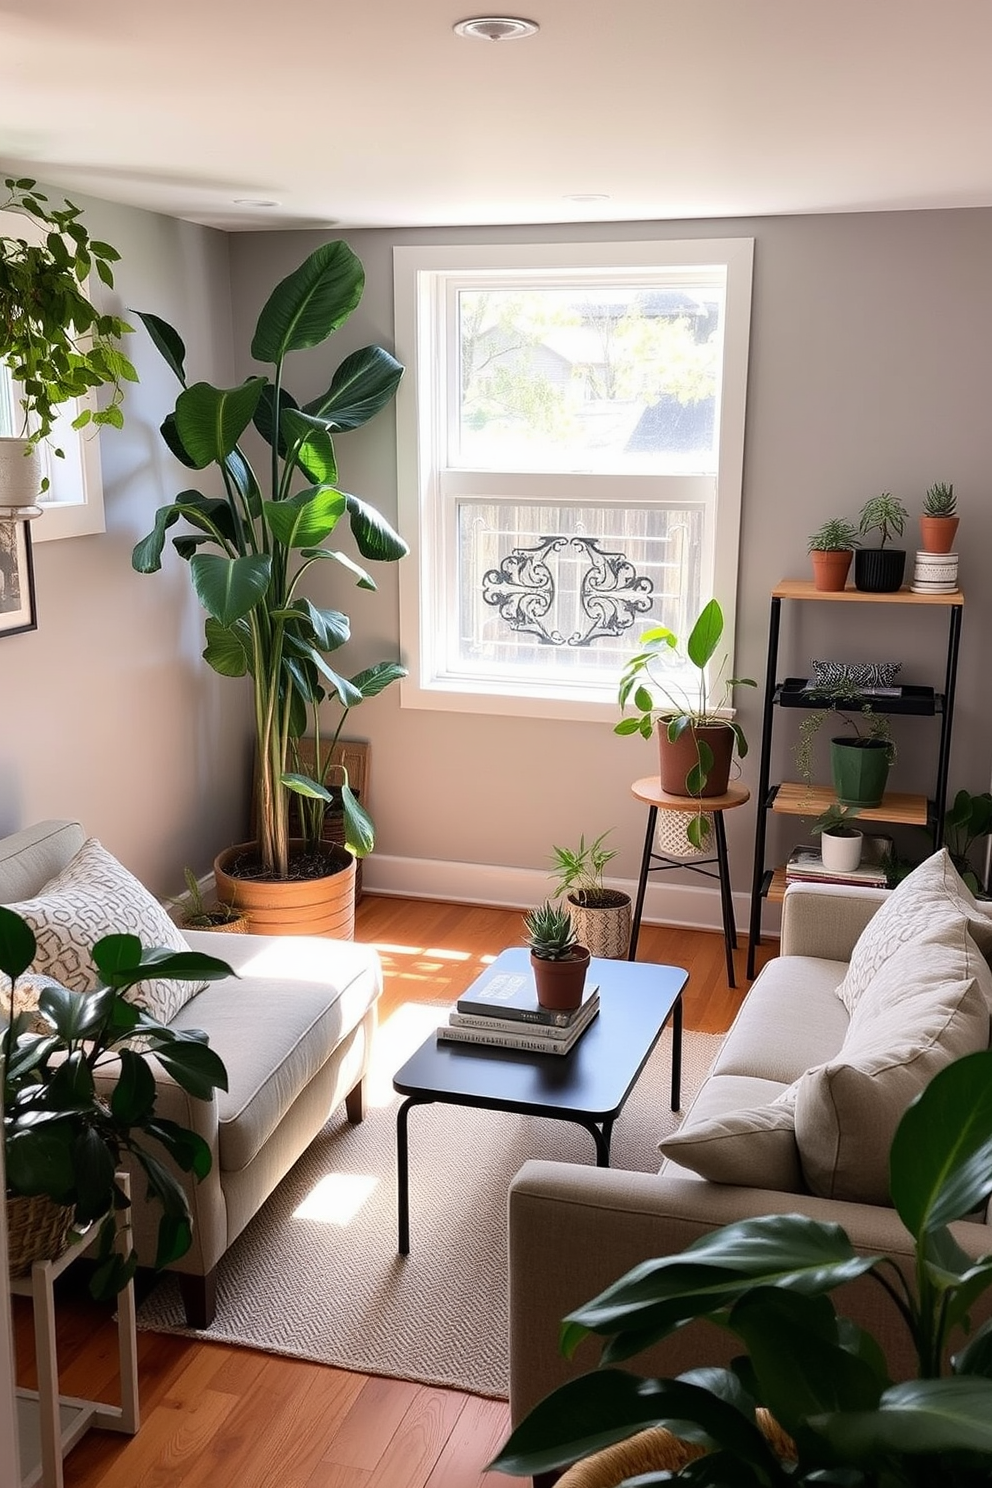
(496,28)
(253,201)
(586,196)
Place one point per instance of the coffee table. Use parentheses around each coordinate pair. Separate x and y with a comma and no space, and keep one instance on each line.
(587,1086)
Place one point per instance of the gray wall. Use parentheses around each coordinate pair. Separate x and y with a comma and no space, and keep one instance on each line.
(109,714)
(870,367)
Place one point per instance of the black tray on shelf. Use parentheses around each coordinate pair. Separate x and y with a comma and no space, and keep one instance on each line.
(924,701)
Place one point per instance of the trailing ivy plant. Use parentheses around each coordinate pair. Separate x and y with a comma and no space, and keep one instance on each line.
(57,345)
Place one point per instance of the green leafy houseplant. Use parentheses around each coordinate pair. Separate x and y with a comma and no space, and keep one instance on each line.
(196,914)
(836,820)
(64,1136)
(767,1282)
(836,535)
(579,872)
(57,345)
(884,514)
(674,710)
(967,821)
(264,545)
(858,716)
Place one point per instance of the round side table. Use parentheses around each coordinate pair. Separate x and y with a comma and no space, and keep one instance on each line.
(650,792)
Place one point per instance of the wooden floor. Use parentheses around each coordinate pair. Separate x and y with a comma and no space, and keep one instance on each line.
(214,1416)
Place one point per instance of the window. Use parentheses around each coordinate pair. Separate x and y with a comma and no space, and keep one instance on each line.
(570,439)
(73,503)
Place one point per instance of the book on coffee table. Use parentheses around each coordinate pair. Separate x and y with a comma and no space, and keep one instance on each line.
(491,1024)
(508,994)
(531,1037)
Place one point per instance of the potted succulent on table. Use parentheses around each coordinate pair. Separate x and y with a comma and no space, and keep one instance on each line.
(601,916)
(831,548)
(939,521)
(249,557)
(558,961)
(65,1136)
(696,738)
(57,345)
(840,842)
(809,1399)
(880,570)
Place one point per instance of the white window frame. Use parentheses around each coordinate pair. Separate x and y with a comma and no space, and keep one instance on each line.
(73,503)
(419,281)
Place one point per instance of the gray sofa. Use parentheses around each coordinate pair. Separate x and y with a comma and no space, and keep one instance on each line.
(798,1109)
(295,1033)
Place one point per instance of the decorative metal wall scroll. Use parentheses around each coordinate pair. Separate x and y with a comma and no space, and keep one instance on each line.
(527,590)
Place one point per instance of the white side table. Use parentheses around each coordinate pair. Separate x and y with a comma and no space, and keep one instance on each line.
(48,1423)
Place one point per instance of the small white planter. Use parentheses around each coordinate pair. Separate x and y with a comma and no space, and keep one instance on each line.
(841,854)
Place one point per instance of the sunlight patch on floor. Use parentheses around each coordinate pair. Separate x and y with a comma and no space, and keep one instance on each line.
(336,1199)
(395,1040)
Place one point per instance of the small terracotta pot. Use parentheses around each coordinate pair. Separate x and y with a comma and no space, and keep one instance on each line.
(677,757)
(938,533)
(831,567)
(560,984)
(296,906)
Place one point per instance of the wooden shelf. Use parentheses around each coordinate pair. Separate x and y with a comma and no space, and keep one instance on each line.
(793,798)
(806,589)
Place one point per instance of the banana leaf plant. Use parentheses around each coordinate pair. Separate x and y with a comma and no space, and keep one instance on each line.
(264,536)
(824,1379)
(64,1135)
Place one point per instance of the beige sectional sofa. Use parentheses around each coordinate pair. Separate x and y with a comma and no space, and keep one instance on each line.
(294,1030)
(872,993)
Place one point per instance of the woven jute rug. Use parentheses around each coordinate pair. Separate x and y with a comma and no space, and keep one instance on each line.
(316,1274)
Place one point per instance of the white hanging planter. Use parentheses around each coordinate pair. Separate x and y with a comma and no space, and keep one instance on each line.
(21,474)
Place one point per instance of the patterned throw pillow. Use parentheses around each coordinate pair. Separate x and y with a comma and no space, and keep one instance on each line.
(94,895)
(859,674)
(27,990)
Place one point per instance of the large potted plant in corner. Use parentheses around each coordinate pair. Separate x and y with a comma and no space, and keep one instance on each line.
(65,1136)
(56,344)
(819,1376)
(696,735)
(601,916)
(251,552)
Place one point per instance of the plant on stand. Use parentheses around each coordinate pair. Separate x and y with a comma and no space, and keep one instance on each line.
(880,570)
(696,739)
(57,346)
(65,1134)
(840,842)
(831,548)
(264,540)
(601,916)
(558,961)
(939,522)
(859,761)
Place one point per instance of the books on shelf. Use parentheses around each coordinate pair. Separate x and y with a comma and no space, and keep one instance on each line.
(805,865)
(535,1038)
(511,994)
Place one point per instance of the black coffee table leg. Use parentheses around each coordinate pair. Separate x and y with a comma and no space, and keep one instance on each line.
(403,1172)
(677,1054)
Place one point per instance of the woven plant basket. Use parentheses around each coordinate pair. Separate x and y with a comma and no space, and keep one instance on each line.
(238,926)
(37,1230)
(605,930)
(671,837)
(656,1450)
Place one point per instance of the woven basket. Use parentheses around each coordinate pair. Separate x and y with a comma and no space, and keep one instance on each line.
(671,837)
(656,1450)
(37,1230)
(237,926)
(606,930)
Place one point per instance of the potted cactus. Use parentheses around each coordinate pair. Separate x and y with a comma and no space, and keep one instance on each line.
(939,521)
(880,570)
(558,961)
(831,549)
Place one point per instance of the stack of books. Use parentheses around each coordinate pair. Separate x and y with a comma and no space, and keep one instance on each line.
(502,1009)
(805,865)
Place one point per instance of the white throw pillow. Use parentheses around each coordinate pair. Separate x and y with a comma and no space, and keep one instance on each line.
(753,1147)
(934,893)
(94,895)
(927,1006)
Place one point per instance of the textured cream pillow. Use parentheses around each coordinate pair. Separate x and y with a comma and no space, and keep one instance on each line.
(934,893)
(94,895)
(927,1006)
(754,1147)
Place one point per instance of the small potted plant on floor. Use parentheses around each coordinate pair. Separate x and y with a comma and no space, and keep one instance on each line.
(696,737)
(967,821)
(880,570)
(557,959)
(840,842)
(601,916)
(831,549)
(939,521)
(192,912)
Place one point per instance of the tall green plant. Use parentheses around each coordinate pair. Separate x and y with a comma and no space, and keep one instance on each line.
(767,1282)
(259,621)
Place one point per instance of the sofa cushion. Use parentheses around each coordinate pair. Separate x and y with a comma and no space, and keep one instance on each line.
(927,1005)
(789,1020)
(752,1146)
(295,999)
(94,895)
(934,894)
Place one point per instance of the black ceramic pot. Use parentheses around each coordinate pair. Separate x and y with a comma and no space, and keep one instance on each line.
(879,570)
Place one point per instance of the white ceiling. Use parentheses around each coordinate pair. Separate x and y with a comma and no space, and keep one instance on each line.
(374,113)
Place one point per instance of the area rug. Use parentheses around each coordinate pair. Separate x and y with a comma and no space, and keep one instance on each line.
(316,1274)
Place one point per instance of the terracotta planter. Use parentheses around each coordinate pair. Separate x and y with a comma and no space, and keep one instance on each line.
(560,983)
(678,757)
(937,534)
(295,906)
(831,567)
(605,928)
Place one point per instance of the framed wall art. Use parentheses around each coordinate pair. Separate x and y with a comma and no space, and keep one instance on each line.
(17,601)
